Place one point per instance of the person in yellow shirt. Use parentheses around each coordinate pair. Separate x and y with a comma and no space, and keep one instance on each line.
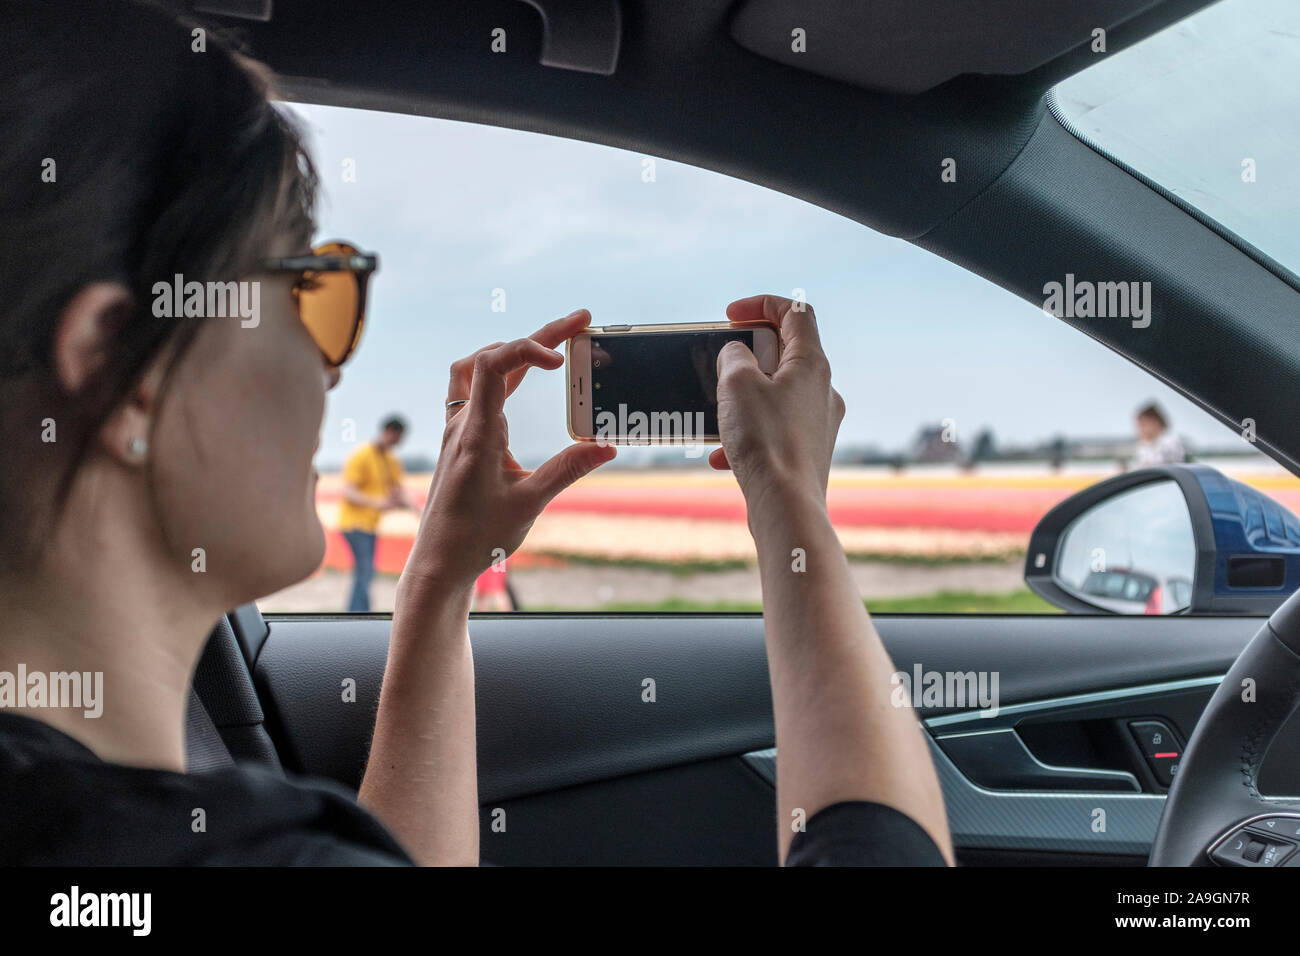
(372,484)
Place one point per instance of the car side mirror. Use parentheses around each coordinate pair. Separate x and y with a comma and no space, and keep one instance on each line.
(1170,540)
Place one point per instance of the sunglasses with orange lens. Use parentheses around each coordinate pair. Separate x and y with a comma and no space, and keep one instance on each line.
(331,295)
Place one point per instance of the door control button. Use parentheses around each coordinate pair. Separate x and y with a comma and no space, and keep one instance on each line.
(1160,746)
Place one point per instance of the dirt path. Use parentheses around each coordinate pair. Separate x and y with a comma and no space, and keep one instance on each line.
(587,587)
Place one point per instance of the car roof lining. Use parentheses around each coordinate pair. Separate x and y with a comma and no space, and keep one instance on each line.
(684,90)
(759,120)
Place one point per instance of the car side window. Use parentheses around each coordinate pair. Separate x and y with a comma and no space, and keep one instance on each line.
(970,412)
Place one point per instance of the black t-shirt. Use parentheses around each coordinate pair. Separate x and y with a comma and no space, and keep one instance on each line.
(861,833)
(61,805)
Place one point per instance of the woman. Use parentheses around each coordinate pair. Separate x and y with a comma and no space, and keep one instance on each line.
(158,471)
(1156,444)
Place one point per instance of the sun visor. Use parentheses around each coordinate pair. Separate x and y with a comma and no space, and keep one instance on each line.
(910,46)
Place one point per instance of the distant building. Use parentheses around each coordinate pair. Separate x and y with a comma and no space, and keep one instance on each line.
(929,446)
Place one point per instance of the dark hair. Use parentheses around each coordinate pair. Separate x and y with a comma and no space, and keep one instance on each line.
(394,422)
(1153,411)
(130,156)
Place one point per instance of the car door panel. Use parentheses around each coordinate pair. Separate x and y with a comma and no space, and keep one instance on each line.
(648,739)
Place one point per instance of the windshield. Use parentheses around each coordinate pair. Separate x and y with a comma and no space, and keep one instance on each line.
(1209,109)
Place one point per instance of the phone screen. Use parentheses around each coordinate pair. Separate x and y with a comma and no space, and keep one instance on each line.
(660,385)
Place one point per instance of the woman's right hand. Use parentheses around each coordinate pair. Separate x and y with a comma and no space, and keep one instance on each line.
(481,502)
(777,433)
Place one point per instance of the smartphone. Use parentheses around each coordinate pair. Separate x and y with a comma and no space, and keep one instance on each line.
(655,384)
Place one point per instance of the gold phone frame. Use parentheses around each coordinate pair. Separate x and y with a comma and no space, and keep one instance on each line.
(620,330)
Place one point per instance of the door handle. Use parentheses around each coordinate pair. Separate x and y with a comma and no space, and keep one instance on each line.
(999,760)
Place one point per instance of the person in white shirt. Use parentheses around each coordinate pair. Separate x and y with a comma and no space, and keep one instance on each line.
(1156,444)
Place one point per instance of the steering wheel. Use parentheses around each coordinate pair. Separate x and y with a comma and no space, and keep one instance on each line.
(1214,812)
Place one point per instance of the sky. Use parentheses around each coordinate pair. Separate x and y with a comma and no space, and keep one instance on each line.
(458,210)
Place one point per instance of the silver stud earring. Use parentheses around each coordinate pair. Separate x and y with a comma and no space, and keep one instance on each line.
(137,447)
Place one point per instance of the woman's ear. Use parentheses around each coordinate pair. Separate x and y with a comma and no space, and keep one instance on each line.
(83,346)
(85,332)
